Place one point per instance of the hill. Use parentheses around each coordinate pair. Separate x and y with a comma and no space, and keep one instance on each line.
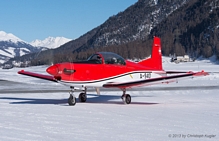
(185,27)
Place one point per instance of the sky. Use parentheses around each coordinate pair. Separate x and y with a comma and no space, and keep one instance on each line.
(39,19)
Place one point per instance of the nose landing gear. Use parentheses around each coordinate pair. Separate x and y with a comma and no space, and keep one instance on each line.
(72,98)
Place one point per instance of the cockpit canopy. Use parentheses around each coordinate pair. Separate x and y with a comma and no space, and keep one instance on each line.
(107,58)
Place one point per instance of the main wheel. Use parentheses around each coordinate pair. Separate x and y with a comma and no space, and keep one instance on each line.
(126,99)
(71,100)
(82,97)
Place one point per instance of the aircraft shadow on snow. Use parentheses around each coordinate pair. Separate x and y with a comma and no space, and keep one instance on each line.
(94,99)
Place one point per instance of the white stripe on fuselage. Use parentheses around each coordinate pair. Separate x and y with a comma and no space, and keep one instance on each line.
(126,77)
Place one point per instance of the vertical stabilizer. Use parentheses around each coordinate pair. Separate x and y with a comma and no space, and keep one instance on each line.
(155,62)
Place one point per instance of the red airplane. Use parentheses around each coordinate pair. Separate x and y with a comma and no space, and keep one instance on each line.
(109,70)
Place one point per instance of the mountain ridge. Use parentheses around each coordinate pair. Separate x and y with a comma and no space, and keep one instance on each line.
(11,46)
(50,42)
(9,37)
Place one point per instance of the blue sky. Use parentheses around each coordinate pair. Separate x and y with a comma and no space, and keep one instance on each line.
(38,19)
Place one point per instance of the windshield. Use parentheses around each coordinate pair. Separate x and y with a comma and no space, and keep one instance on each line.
(95,58)
(112,58)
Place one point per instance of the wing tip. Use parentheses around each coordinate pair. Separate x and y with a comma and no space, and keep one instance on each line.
(201,73)
(21,71)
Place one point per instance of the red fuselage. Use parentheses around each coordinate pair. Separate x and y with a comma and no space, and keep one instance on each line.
(90,72)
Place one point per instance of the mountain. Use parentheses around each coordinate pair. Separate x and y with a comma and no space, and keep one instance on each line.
(185,27)
(50,42)
(133,24)
(9,37)
(12,46)
(192,29)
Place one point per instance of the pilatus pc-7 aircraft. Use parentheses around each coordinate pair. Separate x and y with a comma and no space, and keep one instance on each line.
(109,70)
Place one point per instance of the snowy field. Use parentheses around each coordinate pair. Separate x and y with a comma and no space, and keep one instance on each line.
(33,109)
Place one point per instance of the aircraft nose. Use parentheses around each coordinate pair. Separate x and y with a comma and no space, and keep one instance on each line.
(53,70)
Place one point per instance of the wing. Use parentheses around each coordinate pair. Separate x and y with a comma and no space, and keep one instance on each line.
(152,81)
(176,72)
(36,75)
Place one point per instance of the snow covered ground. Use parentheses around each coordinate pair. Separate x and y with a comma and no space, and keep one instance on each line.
(187,110)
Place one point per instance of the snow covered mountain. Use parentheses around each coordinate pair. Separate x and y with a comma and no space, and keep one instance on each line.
(12,46)
(9,37)
(50,42)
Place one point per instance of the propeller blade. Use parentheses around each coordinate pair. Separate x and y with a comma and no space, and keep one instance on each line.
(97,90)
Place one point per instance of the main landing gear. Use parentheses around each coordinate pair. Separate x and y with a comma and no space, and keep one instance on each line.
(82,96)
(126,98)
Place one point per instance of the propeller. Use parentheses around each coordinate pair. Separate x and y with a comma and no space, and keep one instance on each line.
(97,90)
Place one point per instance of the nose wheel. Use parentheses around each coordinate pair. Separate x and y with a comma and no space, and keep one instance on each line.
(72,98)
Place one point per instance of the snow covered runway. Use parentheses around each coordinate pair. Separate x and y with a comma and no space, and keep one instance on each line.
(160,112)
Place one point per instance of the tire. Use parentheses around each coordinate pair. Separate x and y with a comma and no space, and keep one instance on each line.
(82,97)
(126,99)
(71,100)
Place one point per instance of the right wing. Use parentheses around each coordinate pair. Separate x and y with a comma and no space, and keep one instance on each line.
(36,75)
(176,72)
(166,79)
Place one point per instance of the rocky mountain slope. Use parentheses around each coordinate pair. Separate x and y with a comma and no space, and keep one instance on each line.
(192,29)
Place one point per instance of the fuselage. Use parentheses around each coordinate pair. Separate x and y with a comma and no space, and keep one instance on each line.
(96,73)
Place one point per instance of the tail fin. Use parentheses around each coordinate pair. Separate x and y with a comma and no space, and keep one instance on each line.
(155,62)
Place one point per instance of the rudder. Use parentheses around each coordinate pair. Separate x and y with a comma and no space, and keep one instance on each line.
(155,62)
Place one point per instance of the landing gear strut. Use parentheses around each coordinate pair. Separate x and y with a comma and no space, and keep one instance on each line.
(72,98)
(126,98)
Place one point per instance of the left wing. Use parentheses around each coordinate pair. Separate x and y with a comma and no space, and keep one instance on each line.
(166,79)
(41,76)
